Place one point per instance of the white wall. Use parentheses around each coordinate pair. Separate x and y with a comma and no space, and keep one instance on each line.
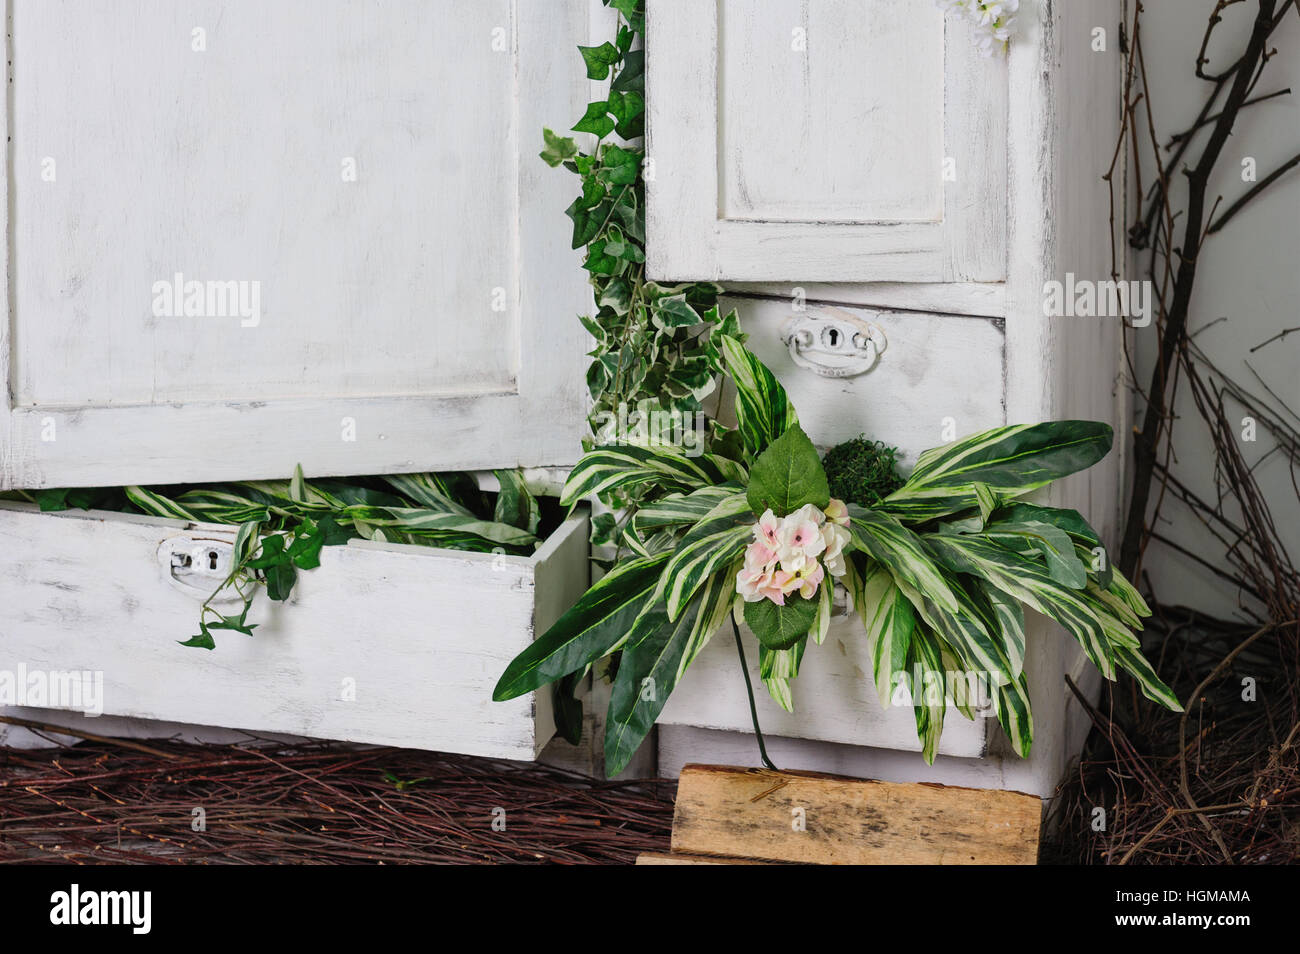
(1248,273)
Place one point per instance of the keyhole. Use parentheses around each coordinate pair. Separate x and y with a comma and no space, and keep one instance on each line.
(212,559)
(833,336)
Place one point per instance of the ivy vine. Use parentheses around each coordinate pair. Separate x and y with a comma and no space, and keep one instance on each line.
(651,339)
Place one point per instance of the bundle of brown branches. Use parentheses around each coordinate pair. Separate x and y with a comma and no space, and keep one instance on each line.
(1219,783)
(262,803)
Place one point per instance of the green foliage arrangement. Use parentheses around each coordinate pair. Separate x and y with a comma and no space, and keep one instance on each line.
(939,570)
(650,349)
(284,524)
(861,471)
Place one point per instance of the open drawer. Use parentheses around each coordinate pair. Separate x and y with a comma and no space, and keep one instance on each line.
(382,643)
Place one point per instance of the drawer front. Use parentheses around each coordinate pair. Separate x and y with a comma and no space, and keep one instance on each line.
(936,374)
(843,140)
(386,644)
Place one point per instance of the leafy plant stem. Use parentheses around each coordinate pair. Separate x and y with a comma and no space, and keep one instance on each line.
(749,688)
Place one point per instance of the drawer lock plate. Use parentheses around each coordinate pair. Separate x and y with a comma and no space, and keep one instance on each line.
(833,343)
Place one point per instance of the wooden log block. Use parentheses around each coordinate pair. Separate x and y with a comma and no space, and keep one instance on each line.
(824,819)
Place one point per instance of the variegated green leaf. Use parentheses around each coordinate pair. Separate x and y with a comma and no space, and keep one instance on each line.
(626,465)
(427,490)
(1010,621)
(822,623)
(889,620)
(1136,665)
(763,410)
(595,626)
(778,668)
(647,675)
(1029,582)
(156,504)
(515,504)
(1010,461)
(412,520)
(924,670)
(674,511)
(888,542)
(715,602)
(714,542)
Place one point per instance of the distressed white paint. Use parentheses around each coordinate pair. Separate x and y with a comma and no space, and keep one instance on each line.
(1062,119)
(422,634)
(424,302)
(937,371)
(822,161)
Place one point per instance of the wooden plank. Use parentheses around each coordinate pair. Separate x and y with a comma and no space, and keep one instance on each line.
(674,858)
(755,813)
(389,644)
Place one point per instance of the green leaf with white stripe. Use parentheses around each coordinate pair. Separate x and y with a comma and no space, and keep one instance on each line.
(595,626)
(715,602)
(1054,544)
(889,620)
(1136,665)
(714,542)
(156,504)
(1010,461)
(778,668)
(621,466)
(890,543)
(1029,582)
(420,520)
(763,409)
(925,658)
(647,675)
(674,511)
(427,490)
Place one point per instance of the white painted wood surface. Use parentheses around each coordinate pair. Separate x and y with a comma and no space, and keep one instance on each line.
(808,142)
(1064,100)
(416,315)
(420,634)
(936,371)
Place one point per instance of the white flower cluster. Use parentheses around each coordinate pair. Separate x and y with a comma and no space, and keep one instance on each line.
(993,20)
(783,558)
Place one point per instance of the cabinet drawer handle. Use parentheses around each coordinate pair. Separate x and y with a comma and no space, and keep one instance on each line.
(833,343)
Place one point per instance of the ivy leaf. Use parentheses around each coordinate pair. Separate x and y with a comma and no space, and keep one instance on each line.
(788,475)
(631,78)
(238,624)
(620,166)
(616,296)
(599,59)
(586,221)
(674,312)
(306,546)
(280,578)
(599,262)
(203,640)
(272,551)
(558,148)
(595,120)
(780,627)
(628,110)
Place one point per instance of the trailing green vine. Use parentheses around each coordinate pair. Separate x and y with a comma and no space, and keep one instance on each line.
(651,365)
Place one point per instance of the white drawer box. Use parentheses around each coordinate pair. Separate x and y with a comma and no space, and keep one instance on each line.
(382,643)
(936,371)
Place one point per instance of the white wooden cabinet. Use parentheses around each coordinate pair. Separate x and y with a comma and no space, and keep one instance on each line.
(823,141)
(855,162)
(352,195)
(242,236)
